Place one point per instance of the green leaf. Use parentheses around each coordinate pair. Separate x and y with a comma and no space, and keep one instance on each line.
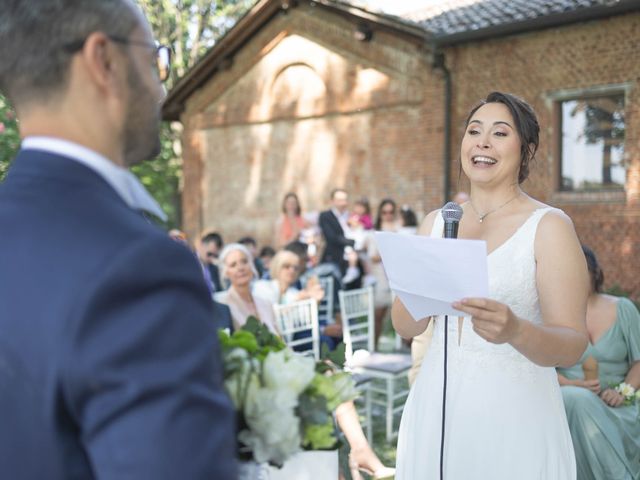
(320,437)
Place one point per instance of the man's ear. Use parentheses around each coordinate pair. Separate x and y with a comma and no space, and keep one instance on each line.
(101,60)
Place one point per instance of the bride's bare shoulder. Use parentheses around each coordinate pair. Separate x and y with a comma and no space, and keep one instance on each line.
(427,223)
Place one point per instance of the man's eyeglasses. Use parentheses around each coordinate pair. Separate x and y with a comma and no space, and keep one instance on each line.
(163,53)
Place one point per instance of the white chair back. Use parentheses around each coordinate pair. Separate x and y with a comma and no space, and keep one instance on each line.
(325,307)
(298,324)
(357,312)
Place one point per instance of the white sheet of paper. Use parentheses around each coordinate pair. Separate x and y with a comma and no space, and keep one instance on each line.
(428,274)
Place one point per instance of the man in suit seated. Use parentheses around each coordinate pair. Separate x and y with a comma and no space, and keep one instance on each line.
(208,250)
(109,364)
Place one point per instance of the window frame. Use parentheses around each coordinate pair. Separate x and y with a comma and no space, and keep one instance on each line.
(606,195)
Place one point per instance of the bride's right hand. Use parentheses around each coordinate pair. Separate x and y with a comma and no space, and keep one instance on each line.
(593,385)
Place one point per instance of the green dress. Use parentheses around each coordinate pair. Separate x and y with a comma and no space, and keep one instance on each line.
(606,440)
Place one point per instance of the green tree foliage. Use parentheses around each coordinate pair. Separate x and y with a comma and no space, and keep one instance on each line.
(190,27)
(9,139)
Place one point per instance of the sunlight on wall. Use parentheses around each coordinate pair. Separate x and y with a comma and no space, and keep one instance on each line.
(627,246)
(297,90)
(262,138)
(369,80)
(310,161)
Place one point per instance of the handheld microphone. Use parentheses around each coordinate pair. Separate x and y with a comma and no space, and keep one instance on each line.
(452,214)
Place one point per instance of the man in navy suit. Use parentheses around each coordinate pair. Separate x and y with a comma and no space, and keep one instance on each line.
(109,362)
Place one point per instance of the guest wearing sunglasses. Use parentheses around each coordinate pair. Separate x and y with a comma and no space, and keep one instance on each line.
(285,269)
(208,249)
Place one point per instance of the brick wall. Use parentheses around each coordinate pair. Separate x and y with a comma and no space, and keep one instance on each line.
(304,107)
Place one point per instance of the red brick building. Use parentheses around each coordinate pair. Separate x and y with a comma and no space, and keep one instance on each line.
(308,95)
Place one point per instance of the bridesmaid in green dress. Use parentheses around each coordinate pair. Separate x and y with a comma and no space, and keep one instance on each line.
(605,430)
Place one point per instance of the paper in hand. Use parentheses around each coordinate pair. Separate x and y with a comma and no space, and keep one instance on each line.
(429,274)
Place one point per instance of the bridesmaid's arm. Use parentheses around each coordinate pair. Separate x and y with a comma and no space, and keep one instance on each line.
(633,377)
(401,319)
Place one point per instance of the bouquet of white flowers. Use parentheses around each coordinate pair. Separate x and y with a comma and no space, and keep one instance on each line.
(285,400)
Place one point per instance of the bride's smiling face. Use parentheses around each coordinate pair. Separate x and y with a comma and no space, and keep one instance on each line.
(491,147)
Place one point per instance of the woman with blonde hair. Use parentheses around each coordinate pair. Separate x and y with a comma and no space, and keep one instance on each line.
(281,289)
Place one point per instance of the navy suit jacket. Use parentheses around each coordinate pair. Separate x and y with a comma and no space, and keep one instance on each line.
(109,361)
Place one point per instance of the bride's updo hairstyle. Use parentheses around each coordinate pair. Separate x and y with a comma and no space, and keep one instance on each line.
(526,124)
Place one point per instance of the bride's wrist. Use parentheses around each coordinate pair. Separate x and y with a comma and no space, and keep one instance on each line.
(519,331)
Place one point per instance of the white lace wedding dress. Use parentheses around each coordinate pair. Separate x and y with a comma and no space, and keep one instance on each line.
(504,415)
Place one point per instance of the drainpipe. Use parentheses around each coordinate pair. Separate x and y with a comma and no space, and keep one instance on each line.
(440,63)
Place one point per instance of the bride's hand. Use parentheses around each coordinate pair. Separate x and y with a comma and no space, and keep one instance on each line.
(492,320)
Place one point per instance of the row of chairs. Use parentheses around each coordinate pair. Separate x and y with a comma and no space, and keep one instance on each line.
(383,375)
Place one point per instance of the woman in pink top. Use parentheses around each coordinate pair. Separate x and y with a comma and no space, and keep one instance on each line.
(290,224)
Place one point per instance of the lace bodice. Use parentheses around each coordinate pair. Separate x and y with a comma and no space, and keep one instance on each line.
(512,280)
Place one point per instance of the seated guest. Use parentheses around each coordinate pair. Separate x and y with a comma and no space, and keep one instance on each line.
(605,428)
(208,249)
(237,267)
(266,254)
(285,268)
(252,246)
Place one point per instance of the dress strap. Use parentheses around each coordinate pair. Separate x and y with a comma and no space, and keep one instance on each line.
(531,224)
(437,231)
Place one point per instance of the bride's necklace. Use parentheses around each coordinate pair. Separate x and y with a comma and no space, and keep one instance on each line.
(482,217)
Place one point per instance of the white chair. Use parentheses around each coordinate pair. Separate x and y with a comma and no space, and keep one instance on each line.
(390,369)
(298,325)
(325,307)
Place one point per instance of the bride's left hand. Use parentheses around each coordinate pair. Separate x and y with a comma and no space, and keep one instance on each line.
(492,320)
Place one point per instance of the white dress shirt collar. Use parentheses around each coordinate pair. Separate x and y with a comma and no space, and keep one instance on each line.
(125,183)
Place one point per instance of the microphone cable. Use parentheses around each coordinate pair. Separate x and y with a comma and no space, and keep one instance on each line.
(444,395)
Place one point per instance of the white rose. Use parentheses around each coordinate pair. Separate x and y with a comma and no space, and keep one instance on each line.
(288,370)
(625,390)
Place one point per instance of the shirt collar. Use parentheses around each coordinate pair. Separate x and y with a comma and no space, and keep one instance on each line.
(125,183)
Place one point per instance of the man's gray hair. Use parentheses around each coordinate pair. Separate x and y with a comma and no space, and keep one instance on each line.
(34,34)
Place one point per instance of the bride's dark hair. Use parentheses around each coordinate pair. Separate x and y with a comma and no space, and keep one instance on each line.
(526,124)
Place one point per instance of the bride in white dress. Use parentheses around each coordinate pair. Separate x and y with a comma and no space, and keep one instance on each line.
(504,414)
